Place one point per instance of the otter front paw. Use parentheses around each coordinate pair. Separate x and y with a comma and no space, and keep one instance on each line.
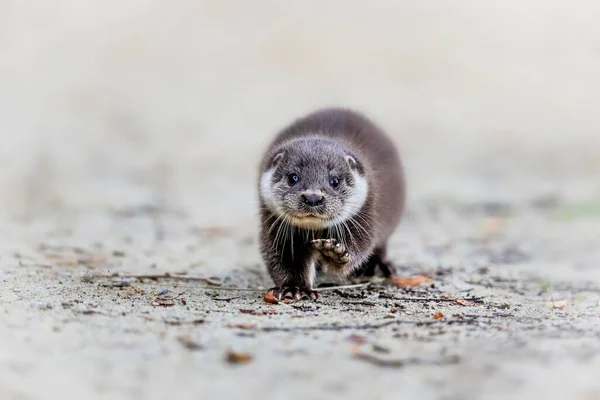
(294,293)
(333,250)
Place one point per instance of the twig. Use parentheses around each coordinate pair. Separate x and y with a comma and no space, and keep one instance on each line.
(365,326)
(227,299)
(380,362)
(155,277)
(177,323)
(358,285)
(207,280)
(478,300)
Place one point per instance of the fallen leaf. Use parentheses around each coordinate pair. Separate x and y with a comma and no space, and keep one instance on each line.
(409,281)
(244,326)
(560,303)
(438,315)
(492,226)
(270,298)
(357,339)
(189,343)
(213,231)
(238,358)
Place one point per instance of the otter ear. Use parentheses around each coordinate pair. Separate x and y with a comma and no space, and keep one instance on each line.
(277,159)
(352,162)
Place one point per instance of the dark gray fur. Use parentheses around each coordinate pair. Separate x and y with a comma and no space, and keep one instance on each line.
(316,144)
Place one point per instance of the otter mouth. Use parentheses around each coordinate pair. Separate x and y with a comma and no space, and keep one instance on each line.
(308,215)
(308,220)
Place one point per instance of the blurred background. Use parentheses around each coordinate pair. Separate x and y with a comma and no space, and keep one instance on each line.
(107,105)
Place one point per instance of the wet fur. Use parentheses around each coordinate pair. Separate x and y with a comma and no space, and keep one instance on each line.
(286,249)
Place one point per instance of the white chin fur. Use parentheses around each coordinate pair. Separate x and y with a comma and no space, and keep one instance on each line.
(350,208)
(308,222)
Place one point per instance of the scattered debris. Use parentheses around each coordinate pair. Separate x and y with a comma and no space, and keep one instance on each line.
(234,357)
(366,303)
(258,312)
(409,281)
(163,301)
(189,343)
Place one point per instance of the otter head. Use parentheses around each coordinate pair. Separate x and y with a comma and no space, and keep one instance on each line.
(313,183)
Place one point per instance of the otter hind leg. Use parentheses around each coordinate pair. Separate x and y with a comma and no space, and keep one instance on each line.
(377,260)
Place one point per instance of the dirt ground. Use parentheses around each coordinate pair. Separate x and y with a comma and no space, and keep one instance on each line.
(130,136)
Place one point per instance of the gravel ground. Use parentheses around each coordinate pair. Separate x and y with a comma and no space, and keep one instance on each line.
(130,136)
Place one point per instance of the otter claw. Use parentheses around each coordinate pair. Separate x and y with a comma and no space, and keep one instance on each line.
(338,249)
(294,293)
(333,250)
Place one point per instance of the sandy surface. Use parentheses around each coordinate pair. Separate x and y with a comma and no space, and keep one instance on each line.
(129,138)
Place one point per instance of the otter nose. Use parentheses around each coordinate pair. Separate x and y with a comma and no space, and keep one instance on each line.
(312,200)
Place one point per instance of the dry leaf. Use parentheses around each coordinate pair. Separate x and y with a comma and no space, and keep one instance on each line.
(492,226)
(189,343)
(246,325)
(409,281)
(270,298)
(238,358)
(213,231)
(357,339)
(438,315)
(560,303)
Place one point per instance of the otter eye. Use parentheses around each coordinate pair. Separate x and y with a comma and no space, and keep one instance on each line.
(334,182)
(293,179)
